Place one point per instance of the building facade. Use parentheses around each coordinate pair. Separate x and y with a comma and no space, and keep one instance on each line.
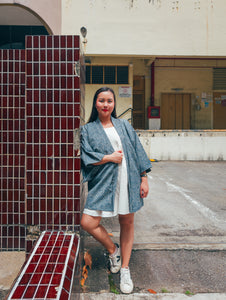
(174,51)
(169,54)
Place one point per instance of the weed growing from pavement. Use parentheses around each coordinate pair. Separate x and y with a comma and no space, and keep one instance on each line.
(188,293)
(113,288)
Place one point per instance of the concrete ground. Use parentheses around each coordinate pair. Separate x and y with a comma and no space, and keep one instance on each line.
(186,205)
(180,237)
(10,265)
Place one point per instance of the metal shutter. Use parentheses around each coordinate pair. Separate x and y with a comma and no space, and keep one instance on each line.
(219,79)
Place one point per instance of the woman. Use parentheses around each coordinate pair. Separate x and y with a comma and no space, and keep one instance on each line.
(114,164)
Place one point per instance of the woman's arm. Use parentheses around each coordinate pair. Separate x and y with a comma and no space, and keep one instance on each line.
(115,157)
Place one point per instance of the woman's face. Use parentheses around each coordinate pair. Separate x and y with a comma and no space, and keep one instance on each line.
(105,104)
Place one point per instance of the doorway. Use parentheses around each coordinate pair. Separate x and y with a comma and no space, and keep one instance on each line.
(219,110)
(176,111)
(139,102)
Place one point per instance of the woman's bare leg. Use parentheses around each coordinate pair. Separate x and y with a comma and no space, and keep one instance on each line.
(92,226)
(126,237)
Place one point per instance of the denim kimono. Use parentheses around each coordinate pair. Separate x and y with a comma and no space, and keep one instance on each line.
(102,179)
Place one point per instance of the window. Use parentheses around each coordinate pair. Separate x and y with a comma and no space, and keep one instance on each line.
(13,36)
(107,75)
(88,70)
(122,74)
(219,79)
(97,74)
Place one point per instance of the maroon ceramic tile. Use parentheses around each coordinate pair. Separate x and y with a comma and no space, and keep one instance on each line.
(41,292)
(76,41)
(18,292)
(56,55)
(76,82)
(63,41)
(69,272)
(42,41)
(77,218)
(49,41)
(69,42)
(52,292)
(28,55)
(63,96)
(67,284)
(56,41)
(42,55)
(40,69)
(64,295)
(30,292)
(56,82)
(76,96)
(63,54)
(67,83)
(46,279)
(35,42)
(70,218)
(35,279)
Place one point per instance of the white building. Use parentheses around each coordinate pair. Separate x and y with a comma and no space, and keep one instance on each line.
(163,53)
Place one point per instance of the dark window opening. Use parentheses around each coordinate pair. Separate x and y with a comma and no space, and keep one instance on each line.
(88,73)
(122,74)
(13,36)
(97,74)
(107,74)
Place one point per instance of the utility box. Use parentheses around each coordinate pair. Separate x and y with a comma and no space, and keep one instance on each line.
(154,117)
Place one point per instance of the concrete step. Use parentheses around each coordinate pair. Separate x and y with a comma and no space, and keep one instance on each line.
(168,272)
(145,296)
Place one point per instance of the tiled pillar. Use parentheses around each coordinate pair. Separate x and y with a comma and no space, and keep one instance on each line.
(52,115)
(41,96)
(12,150)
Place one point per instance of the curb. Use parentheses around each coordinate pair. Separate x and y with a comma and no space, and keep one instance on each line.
(137,296)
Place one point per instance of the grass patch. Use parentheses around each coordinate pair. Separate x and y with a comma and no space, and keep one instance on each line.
(165,291)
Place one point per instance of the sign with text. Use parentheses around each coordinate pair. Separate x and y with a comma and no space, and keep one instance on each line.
(125,91)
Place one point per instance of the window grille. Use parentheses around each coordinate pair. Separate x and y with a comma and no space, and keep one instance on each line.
(107,74)
(219,79)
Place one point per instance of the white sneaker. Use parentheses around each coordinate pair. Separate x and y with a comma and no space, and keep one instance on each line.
(126,284)
(115,261)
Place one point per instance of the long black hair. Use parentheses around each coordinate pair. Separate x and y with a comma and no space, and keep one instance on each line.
(94,113)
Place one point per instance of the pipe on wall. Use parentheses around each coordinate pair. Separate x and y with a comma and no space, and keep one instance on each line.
(152,84)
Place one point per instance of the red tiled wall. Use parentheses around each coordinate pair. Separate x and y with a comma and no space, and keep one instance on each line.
(12,149)
(52,174)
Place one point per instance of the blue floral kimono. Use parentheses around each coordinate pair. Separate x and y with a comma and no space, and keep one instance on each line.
(102,179)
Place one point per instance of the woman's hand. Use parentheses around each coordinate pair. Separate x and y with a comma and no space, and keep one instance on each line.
(116,157)
(144,188)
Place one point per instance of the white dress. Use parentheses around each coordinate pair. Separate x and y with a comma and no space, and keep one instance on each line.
(121,202)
